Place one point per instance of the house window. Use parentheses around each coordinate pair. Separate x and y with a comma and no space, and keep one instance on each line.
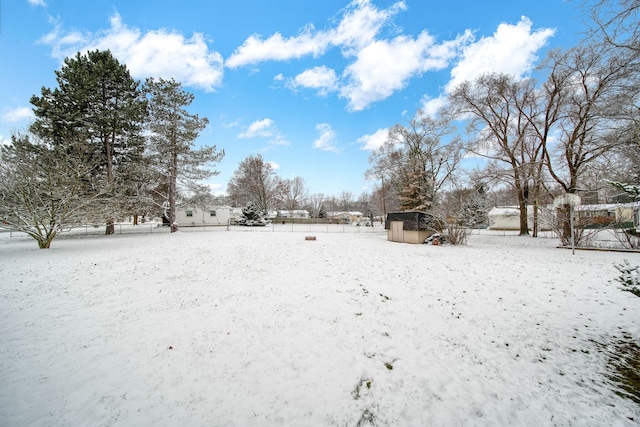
(189,213)
(212,213)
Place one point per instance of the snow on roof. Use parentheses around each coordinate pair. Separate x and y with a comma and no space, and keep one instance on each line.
(607,206)
(504,211)
(514,210)
(350,213)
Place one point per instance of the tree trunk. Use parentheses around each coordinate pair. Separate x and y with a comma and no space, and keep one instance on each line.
(566,224)
(523,194)
(44,242)
(524,226)
(110,229)
(535,217)
(173,172)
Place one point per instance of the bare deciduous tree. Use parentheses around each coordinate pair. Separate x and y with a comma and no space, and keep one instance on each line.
(296,192)
(583,109)
(45,190)
(255,181)
(496,105)
(416,161)
(315,203)
(345,200)
(583,96)
(616,22)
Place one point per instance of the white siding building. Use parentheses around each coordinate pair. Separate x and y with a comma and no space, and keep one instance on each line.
(298,213)
(198,217)
(508,218)
(346,217)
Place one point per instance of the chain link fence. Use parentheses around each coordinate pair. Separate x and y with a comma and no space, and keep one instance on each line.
(154,227)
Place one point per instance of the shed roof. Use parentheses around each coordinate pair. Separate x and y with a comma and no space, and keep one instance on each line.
(412,220)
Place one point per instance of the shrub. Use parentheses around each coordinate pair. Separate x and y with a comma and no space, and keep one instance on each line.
(629,277)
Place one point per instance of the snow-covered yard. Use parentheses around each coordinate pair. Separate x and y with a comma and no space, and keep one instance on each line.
(234,328)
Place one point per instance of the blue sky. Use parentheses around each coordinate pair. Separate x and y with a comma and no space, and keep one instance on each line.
(312,86)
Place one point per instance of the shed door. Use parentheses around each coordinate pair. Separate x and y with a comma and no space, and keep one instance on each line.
(397,232)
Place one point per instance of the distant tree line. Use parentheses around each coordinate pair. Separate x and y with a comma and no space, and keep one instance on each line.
(255,182)
(102,146)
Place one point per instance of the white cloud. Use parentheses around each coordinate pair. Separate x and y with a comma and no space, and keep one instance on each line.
(279,139)
(17,115)
(323,79)
(375,140)
(273,165)
(431,106)
(226,124)
(265,128)
(378,67)
(276,48)
(511,49)
(157,53)
(37,3)
(326,141)
(359,25)
(384,67)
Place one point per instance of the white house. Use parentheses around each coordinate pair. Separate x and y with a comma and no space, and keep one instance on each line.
(504,218)
(346,217)
(508,218)
(198,217)
(296,213)
(621,213)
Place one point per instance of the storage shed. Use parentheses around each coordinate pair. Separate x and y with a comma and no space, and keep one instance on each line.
(410,227)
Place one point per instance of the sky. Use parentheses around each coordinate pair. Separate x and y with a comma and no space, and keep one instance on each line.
(313,87)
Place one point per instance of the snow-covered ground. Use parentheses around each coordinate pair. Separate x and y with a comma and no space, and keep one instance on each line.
(233,328)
